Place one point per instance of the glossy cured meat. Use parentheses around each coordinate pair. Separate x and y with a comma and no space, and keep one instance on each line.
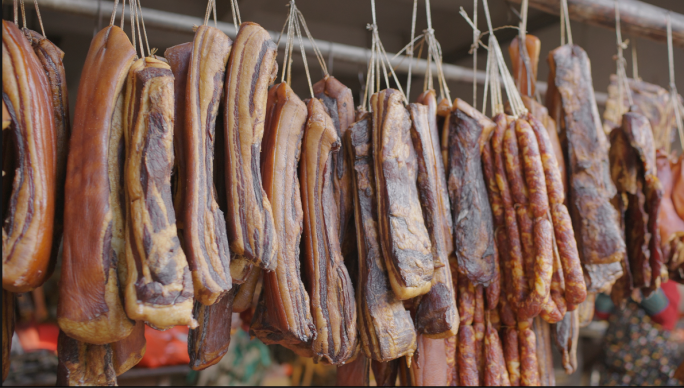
(157,283)
(570,100)
(81,363)
(7,330)
(251,68)
(287,301)
(566,337)
(179,60)
(206,242)
(437,316)
(405,242)
(472,214)
(29,210)
(332,298)
(209,342)
(429,364)
(385,373)
(50,56)
(355,373)
(671,226)
(524,69)
(128,352)
(386,328)
(90,308)
(339,101)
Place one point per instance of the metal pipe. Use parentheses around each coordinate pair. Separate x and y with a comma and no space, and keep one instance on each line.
(170,21)
(637,17)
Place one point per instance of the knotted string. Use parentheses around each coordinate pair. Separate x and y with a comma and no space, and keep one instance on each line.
(623,83)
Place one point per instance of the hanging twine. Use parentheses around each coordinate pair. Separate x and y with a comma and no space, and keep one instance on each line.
(237,20)
(635,65)
(40,19)
(623,83)
(410,49)
(565,22)
(674,96)
(379,60)
(142,21)
(473,50)
(295,23)
(435,53)
(522,46)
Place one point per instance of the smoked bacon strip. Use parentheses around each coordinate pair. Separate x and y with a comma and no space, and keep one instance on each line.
(436,316)
(429,364)
(50,56)
(287,302)
(332,297)
(29,209)
(570,100)
(339,101)
(405,242)
(251,69)
(206,243)
(472,214)
(386,328)
(157,284)
(90,309)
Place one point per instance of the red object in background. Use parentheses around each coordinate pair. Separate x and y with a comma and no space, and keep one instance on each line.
(165,348)
(38,336)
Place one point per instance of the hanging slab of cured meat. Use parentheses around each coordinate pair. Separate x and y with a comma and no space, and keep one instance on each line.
(595,221)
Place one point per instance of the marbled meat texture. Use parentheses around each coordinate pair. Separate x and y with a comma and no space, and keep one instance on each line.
(339,101)
(29,209)
(90,308)
(332,297)
(251,69)
(472,214)
(405,242)
(83,364)
(158,285)
(436,316)
(386,328)
(206,242)
(287,302)
(595,221)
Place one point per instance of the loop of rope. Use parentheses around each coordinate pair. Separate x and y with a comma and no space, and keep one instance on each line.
(496,60)
(23,13)
(40,19)
(111,19)
(410,49)
(623,83)
(378,60)
(565,22)
(635,65)
(237,20)
(123,11)
(142,21)
(434,54)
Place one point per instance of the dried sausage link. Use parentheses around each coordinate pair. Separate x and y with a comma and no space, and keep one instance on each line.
(529,370)
(466,299)
(575,287)
(466,357)
(512,355)
(543,270)
(494,196)
(534,172)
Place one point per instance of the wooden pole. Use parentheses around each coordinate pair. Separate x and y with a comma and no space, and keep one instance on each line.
(637,17)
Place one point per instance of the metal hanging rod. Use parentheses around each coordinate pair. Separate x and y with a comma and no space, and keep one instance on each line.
(637,18)
(170,21)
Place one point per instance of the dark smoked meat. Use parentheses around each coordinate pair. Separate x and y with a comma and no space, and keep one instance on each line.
(570,100)
(7,330)
(208,343)
(333,307)
(128,352)
(386,328)
(404,239)
(472,214)
(437,316)
(83,364)
(287,302)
